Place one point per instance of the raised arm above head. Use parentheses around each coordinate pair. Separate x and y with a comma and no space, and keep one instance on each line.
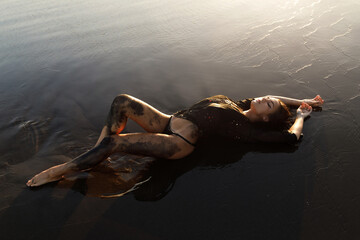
(314,102)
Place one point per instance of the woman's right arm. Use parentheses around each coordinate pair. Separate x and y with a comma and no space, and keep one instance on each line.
(301,113)
(314,102)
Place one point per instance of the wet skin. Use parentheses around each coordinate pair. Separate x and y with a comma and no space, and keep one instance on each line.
(94,156)
(132,144)
(125,106)
(153,143)
(265,105)
(158,145)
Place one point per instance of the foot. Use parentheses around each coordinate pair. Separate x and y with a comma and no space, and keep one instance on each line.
(50,175)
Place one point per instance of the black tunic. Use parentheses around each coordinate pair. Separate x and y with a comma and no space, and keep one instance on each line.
(220,117)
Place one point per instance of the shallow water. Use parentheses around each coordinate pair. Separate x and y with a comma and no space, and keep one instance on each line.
(62,63)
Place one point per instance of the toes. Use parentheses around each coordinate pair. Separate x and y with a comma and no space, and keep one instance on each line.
(34,182)
(30,183)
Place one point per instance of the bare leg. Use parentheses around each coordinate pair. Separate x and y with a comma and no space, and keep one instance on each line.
(149,144)
(85,161)
(125,106)
(105,132)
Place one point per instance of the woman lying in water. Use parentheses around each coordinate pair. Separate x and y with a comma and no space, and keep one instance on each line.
(263,119)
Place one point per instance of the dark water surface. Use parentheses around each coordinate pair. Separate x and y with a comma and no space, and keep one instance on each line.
(62,63)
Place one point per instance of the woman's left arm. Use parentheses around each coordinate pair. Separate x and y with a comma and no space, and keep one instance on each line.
(301,113)
(314,102)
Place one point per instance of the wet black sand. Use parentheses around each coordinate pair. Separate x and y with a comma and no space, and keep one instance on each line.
(62,63)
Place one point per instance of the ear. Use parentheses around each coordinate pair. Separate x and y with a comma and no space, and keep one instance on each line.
(265,118)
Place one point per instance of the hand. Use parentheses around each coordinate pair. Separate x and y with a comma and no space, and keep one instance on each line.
(315,102)
(304,110)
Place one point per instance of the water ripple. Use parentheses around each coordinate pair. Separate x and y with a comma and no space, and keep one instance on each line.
(342,35)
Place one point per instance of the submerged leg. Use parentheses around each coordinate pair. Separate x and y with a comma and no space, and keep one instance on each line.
(125,106)
(149,144)
(85,161)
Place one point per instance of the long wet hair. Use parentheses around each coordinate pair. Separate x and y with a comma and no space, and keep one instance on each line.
(280,119)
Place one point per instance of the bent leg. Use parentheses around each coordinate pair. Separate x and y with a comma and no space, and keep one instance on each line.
(125,106)
(149,144)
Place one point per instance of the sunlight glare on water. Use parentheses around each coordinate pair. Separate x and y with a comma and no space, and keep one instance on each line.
(63,62)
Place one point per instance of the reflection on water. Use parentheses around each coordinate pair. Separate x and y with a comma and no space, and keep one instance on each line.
(62,62)
(151,179)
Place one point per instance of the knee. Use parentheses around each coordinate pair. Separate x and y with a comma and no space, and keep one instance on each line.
(129,104)
(121,100)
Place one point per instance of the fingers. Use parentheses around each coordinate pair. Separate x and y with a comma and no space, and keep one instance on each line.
(305,106)
(319,99)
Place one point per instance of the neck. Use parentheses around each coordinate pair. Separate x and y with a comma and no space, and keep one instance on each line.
(252,115)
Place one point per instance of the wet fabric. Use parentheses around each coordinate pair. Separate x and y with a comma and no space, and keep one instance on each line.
(168,130)
(221,117)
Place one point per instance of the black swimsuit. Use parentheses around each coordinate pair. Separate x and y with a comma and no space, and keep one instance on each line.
(168,130)
(219,117)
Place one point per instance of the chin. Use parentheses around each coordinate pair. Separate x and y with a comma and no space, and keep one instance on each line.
(253,105)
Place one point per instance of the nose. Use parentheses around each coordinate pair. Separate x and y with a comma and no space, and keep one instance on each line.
(266,99)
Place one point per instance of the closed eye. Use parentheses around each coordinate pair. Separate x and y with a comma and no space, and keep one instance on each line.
(269,105)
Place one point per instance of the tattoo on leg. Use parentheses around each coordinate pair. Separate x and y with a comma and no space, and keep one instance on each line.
(117,115)
(96,155)
(137,107)
(120,110)
(163,149)
(155,119)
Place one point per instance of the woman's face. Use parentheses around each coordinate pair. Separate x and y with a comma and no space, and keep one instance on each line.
(265,106)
